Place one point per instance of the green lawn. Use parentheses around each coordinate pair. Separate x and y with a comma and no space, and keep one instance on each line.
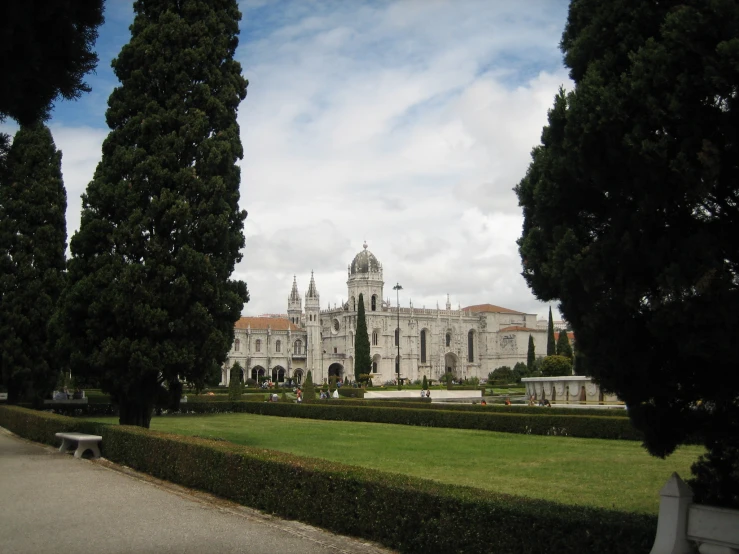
(609,474)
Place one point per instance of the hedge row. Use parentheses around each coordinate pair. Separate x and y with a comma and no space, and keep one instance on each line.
(403,513)
(515,408)
(545,422)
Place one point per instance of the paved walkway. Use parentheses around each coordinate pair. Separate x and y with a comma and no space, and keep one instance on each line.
(51,502)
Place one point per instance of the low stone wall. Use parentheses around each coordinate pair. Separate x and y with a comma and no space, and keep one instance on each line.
(570,388)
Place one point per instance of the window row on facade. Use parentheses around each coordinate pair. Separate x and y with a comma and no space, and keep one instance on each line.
(297,346)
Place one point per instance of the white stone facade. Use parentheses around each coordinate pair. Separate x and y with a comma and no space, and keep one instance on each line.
(471,342)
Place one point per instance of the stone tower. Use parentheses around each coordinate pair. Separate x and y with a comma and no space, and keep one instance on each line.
(365,276)
(295,305)
(314,360)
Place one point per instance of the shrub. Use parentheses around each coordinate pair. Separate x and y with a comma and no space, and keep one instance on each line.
(235,388)
(555,366)
(520,370)
(502,375)
(425,384)
(309,392)
(353,500)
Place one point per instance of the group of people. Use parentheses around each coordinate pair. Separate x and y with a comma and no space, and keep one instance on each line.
(325,395)
(544,402)
(426,393)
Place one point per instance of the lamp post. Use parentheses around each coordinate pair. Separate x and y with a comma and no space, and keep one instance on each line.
(397,288)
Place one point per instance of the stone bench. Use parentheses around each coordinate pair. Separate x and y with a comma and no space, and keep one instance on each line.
(84,442)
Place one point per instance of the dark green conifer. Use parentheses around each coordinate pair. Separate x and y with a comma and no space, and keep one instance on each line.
(33,236)
(362,356)
(531,355)
(150,295)
(551,344)
(46,49)
(309,391)
(424,384)
(563,345)
(235,386)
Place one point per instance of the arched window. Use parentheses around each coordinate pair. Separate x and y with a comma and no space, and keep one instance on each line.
(448,339)
(423,346)
(278,346)
(471,346)
(237,345)
(258,345)
(374,367)
(354,305)
(374,303)
(397,336)
(298,346)
(374,338)
(397,365)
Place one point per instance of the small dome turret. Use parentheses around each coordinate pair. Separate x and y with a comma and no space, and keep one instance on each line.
(364,262)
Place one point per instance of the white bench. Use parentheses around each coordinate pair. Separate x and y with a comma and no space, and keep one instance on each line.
(84,442)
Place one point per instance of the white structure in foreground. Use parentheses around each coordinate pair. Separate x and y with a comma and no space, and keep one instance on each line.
(572,388)
(470,342)
(683,525)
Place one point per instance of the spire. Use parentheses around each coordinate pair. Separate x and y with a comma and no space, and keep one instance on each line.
(294,296)
(448,304)
(312,292)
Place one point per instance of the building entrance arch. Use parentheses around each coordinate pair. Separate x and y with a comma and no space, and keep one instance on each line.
(336,370)
(450,363)
(278,374)
(298,376)
(258,373)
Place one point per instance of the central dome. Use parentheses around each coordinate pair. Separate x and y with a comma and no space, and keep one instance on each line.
(364,262)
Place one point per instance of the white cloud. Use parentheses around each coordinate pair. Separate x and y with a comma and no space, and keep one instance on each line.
(404,123)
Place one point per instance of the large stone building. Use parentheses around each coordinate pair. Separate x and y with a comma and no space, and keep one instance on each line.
(470,342)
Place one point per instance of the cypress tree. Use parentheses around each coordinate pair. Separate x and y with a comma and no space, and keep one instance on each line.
(150,295)
(424,384)
(309,391)
(630,220)
(362,356)
(551,345)
(531,355)
(235,387)
(33,237)
(563,345)
(46,49)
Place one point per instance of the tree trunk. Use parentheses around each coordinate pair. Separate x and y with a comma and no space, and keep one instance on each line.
(135,412)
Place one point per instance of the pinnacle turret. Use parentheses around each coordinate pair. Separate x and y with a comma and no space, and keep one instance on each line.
(312,291)
(295,304)
(294,296)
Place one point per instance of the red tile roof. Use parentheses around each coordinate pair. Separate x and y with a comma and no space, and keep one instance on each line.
(518,328)
(274,323)
(570,335)
(480,308)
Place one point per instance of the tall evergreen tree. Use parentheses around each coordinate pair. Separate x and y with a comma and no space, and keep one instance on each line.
(630,219)
(531,355)
(551,345)
(362,356)
(33,236)
(309,390)
(235,385)
(45,51)
(563,345)
(150,297)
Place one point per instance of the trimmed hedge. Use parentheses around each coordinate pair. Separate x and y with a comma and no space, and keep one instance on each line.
(513,409)
(548,423)
(425,516)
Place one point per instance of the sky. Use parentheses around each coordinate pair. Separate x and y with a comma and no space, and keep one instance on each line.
(405,124)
